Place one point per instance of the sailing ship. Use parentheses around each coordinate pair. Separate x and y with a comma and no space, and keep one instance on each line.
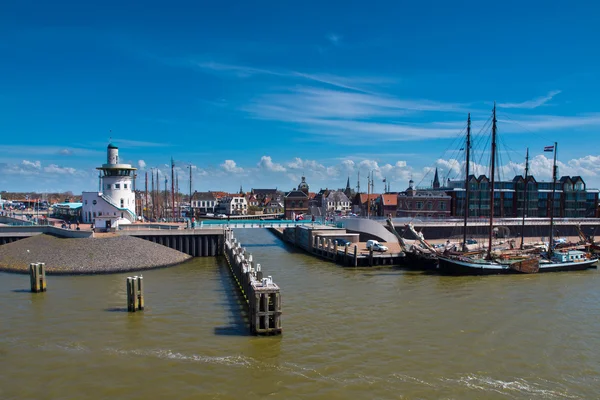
(420,257)
(514,261)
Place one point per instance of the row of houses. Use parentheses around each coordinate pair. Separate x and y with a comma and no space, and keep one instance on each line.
(572,199)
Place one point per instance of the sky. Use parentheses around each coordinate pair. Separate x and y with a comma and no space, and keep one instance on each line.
(258,94)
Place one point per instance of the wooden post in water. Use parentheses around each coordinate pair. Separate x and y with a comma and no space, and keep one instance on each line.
(37,277)
(371,256)
(346,254)
(355,255)
(135,293)
(335,251)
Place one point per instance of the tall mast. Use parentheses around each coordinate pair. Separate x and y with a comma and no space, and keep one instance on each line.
(492,182)
(468,150)
(551,239)
(166,208)
(153,196)
(191,208)
(146,202)
(368,195)
(358,184)
(526,208)
(172,187)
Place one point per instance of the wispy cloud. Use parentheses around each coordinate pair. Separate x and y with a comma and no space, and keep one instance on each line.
(138,143)
(548,122)
(533,103)
(354,83)
(350,114)
(334,39)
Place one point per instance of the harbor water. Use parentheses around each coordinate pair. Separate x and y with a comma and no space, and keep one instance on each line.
(364,333)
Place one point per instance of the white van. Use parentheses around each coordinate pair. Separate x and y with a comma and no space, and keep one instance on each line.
(376,246)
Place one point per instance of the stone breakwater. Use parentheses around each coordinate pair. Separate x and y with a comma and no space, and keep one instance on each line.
(87,256)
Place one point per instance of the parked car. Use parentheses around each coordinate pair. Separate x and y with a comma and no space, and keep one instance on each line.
(342,242)
(379,247)
(376,246)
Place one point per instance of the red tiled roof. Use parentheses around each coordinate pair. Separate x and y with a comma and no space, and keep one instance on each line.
(364,197)
(390,199)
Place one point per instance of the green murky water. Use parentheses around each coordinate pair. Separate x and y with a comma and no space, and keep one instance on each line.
(360,334)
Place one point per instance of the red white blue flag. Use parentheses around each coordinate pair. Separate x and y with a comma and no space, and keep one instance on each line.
(549,148)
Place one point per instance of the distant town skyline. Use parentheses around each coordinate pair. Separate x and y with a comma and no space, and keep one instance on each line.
(259,96)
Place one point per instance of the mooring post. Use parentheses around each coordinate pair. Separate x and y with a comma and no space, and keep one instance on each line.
(140,294)
(130,301)
(346,254)
(371,257)
(335,252)
(135,293)
(37,277)
(355,255)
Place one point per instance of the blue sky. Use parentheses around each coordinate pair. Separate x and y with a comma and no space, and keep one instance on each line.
(259,93)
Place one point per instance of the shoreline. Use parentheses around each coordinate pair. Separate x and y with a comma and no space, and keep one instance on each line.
(89,256)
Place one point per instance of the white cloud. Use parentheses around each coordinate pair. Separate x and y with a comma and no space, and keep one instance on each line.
(55,169)
(534,103)
(66,152)
(31,164)
(231,167)
(141,164)
(267,163)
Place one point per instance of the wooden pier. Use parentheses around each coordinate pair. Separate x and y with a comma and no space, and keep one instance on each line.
(320,242)
(262,295)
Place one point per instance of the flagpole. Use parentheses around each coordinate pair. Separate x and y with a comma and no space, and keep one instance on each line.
(551,238)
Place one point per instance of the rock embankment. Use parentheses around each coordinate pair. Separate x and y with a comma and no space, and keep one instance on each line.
(87,256)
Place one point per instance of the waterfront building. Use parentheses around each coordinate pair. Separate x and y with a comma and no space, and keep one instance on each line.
(417,203)
(387,204)
(232,205)
(296,201)
(571,198)
(204,202)
(364,202)
(261,194)
(70,212)
(114,202)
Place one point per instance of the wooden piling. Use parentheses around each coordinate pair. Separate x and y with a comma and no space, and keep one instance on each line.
(335,251)
(355,255)
(346,254)
(37,277)
(371,257)
(135,293)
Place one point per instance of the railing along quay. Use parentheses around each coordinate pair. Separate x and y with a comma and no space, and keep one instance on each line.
(262,295)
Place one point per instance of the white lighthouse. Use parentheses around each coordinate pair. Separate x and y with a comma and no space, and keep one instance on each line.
(114,203)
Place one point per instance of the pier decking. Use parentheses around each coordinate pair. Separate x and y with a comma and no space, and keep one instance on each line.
(320,242)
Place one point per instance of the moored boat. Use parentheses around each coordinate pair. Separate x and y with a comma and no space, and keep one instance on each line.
(462,264)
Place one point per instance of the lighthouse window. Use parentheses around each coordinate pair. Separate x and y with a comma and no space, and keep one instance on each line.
(117,186)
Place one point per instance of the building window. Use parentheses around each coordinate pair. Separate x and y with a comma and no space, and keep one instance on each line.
(108,187)
(443,205)
(117,186)
(94,202)
(124,186)
(86,202)
(122,203)
(419,205)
